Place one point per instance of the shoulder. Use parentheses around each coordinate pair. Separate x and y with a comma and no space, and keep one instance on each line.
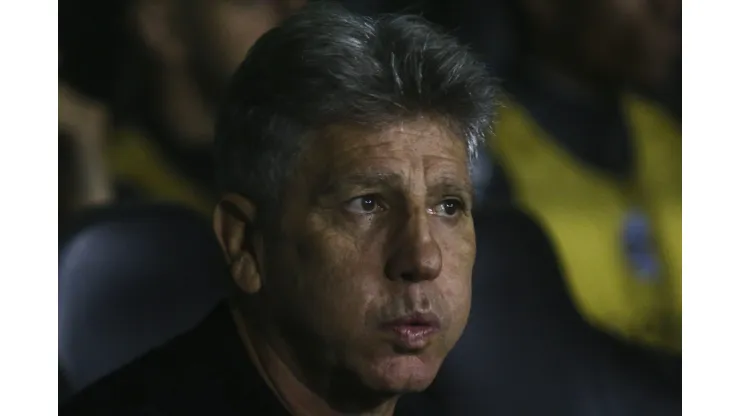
(144,387)
(191,370)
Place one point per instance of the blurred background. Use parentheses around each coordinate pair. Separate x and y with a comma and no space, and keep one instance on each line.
(577,297)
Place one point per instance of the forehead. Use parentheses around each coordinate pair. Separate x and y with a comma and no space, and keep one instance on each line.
(421,140)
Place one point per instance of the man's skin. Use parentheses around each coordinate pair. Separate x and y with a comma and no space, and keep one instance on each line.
(375,226)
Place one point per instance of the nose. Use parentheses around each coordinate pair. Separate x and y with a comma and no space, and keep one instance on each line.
(416,255)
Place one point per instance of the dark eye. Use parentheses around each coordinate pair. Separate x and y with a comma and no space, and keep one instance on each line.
(447,208)
(366,204)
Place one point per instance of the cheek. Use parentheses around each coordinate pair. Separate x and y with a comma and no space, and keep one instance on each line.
(457,295)
(456,292)
(456,281)
(335,277)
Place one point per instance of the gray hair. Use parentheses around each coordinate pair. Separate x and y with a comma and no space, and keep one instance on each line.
(327,66)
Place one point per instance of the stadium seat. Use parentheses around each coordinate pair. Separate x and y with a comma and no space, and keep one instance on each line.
(130,279)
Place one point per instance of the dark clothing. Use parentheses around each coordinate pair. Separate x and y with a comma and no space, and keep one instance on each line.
(203,372)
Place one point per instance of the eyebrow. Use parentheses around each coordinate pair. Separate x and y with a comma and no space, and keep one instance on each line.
(444,185)
(363,180)
(448,185)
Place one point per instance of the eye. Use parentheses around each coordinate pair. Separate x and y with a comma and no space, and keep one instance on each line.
(366,204)
(447,208)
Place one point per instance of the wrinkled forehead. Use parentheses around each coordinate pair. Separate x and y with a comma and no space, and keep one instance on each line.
(390,150)
(424,134)
(422,138)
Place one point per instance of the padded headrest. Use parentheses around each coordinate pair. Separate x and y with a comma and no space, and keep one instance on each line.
(130,279)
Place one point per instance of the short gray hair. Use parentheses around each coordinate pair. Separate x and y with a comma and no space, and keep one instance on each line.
(327,66)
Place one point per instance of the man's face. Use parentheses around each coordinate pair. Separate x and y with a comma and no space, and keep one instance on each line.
(371,277)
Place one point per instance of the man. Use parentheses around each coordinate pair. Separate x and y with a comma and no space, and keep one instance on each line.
(161,66)
(344,149)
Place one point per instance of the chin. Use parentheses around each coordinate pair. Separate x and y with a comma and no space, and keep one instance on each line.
(400,374)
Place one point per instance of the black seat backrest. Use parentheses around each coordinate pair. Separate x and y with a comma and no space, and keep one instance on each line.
(130,279)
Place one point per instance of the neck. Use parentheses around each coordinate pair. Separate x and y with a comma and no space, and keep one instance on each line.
(289,387)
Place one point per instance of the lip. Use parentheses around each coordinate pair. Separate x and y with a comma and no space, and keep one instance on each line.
(413,332)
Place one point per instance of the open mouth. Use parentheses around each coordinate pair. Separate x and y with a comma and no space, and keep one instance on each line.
(413,332)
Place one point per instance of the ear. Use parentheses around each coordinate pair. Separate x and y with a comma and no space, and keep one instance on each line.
(154,21)
(242,245)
